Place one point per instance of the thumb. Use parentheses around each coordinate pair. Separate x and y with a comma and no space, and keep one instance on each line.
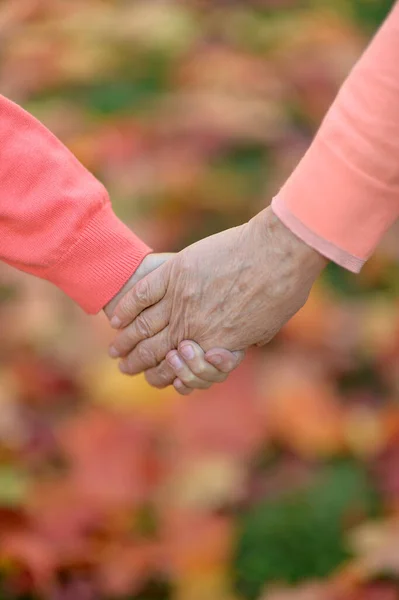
(146,292)
(149,263)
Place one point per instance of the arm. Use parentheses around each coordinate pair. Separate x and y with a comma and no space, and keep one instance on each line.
(56,220)
(339,201)
(344,194)
(57,223)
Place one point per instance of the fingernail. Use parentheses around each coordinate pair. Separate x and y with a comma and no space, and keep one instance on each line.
(113,352)
(187,352)
(175,361)
(115,322)
(177,384)
(215,359)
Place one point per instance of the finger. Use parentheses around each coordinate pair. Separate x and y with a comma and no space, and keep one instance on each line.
(181,388)
(149,322)
(160,376)
(224,360)
(185,374)
(148,291)
(147,354)
(164,374)
(193,358)
(174,366)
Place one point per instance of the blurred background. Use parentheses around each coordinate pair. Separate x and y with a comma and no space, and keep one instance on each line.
(283,483)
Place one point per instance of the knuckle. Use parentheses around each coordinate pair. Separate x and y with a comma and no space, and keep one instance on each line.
(146,355)
(127,303)
(143,327)
(140,292)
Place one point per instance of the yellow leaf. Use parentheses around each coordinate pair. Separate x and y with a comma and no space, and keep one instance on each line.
(107,386)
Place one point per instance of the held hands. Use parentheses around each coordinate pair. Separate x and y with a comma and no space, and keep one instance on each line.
(214,368)
(231,290)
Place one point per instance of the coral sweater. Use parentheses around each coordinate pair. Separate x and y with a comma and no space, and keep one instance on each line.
(344,194)
(56,220)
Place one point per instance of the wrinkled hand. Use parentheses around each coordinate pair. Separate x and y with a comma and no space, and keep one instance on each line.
(195,371)
(232,290)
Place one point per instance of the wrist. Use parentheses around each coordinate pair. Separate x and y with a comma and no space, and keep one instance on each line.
(289,246)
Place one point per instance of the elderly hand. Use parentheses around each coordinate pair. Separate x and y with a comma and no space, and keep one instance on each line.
(231,290)
(196,372)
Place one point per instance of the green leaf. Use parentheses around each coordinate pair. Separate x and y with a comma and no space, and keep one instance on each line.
(371,13)
(118,96)
(341,282)
(299,535)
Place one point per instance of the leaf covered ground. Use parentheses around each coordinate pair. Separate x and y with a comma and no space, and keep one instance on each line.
(283,483)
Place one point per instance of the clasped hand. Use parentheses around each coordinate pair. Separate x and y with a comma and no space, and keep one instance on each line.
(231,290)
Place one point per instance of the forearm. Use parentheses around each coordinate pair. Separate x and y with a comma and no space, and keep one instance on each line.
(56,221)
(344,194)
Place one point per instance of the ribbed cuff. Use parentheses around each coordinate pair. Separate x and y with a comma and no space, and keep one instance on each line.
(324,247)
(101,261)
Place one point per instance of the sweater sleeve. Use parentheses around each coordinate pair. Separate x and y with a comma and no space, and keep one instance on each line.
(56,220)
(344,194)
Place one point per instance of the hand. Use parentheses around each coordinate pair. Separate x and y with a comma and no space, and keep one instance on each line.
(196,372)
(148,264)
(232,290)
(194,369)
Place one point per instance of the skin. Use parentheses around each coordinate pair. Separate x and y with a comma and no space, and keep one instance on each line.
(233,290)
(181,371)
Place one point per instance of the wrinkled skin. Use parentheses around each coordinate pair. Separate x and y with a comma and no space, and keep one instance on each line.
(231,290)
(181,370)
